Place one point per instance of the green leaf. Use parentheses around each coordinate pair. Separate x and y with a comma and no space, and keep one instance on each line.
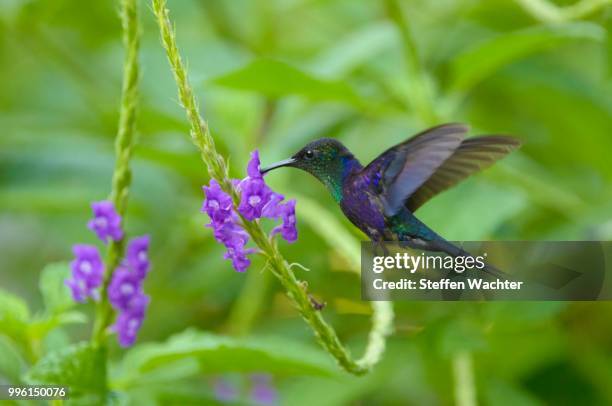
(56,339)
(475,64)
(343,391)
(217,354)
(500,393)
(277,79)
(41,326)
(14,316)
(13,307)
(81,367)
(55,293)
(58,302)
(356,49)
(11,362)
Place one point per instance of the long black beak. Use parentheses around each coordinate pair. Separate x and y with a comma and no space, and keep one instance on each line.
(286,162)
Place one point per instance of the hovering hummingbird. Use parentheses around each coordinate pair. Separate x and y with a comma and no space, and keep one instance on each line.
(381,198)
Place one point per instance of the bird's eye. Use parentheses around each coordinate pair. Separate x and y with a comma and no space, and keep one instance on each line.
(309,154)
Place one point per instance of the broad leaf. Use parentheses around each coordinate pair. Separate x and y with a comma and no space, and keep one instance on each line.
(217,354)
(278,79)
(356,49)
(14,316)
(11,362)
(475,64)
(58,302)
(41,326)
(55,293)
(13,307)
(81,367)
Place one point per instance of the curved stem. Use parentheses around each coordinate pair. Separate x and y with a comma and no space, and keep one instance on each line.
(295,289)
(124,143)
(548,12)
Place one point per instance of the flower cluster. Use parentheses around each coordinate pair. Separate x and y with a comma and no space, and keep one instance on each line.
(87,272)
(125,291)
(257,200)
(261,390)
(106,222)
(87,267)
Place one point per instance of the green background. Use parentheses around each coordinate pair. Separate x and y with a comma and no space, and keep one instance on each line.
(274,75)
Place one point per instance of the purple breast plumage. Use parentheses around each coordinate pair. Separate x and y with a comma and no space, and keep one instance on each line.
(360,204)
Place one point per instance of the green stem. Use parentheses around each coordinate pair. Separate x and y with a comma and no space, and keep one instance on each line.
(548,12)
(296,290)
(248,306)
(124,143)
(465,389)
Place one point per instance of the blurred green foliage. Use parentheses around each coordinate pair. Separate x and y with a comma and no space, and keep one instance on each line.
(274,75)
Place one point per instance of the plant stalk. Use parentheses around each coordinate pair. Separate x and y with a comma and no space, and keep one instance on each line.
(217,168)
(124,142)
(465,389)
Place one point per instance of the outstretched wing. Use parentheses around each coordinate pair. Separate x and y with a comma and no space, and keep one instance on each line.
(473,155)
(398,172)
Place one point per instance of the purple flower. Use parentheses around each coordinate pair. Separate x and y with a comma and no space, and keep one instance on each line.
(233,236)
(230,234)
(253,166)
(106,222)
(262,391)
(218,204)
(138,255)
(124,286)
(78,288)
(257,200)
(239,258)
(254,193)
(87,272)
(288,229)
(225,391)
(126,326)
(126,293)
(254,196)
(138,304)
(272,209)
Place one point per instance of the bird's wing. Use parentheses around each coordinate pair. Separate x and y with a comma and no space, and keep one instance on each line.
(473,155)
(398,172)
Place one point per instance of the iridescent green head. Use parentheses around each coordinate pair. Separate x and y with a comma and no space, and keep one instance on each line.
(326,159)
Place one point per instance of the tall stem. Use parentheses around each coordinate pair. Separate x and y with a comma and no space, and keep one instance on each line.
(465,389)
(420,97)
(124,143)
(248,306)
(295,289)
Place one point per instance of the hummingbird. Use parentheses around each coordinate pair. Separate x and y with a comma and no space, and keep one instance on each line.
(380,199)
